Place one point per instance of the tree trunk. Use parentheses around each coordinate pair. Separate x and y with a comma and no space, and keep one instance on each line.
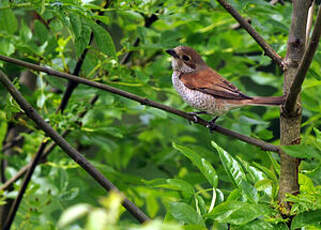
(290,121)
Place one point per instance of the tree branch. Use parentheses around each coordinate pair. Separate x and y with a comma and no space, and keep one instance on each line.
(67,148)
(304,66)
(257,37)
(47,151)
(263,145)
(71,86)
(14,207)
(290,126)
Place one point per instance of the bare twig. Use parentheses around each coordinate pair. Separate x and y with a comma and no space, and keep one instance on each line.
(257,37)
(14,207)
(263,145)
(45,154)
(304,66)
(67,148)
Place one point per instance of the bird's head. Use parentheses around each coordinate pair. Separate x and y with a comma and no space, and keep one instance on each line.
(186,59)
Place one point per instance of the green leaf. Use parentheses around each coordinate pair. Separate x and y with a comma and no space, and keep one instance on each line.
(306,219)
(41,32)
(76,24)
(104,40)
(236,173)
(184,212)
(8,21)
(83,41)
(202,164)
(173,184)
(303,151)
(237,212)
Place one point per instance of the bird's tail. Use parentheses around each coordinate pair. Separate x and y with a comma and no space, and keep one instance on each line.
(266,101)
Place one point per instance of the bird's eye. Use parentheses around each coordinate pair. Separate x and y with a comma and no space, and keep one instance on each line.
(185,58)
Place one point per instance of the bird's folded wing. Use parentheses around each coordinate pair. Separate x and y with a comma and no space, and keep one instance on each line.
(210,82)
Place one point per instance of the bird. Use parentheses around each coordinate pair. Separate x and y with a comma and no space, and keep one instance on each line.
(206,90)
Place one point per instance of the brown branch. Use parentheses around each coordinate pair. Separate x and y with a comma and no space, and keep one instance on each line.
(46,152)
(67,148)
(14,207)
(263,145)
(304,66)
(290,125)
(269,51)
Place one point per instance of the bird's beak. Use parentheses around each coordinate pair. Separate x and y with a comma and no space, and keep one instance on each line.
(172,53)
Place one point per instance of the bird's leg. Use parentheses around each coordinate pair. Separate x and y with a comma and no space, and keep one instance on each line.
(194,114)
(211,124)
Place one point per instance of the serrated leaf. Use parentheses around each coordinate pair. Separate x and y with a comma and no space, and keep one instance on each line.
(104,40)
(307,218)
(201,163)
(237,212)
(184,212)
(236,173)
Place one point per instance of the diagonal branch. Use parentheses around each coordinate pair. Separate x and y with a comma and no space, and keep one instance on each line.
(269,51)
(14,207)
(263,145)
(304,66)
(71,86)
(45,154)
(67,148)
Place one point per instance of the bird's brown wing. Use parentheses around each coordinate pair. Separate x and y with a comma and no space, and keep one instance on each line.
(210,82)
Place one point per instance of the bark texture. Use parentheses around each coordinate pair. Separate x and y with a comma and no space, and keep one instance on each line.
(290,121)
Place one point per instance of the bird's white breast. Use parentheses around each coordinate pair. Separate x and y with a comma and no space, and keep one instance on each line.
(194,98)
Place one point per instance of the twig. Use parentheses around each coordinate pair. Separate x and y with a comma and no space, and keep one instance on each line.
(257,37)
(14,207)
(304,66)
(67,148)
(48,150)
(45,154)
(148,22)
(263,145)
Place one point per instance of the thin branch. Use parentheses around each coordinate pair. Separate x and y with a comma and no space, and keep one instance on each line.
(269,51)
(263,145)
(71,86)
(148,22)
(48,150)
(67,148)
(45,154)
(304,66)
(14,207)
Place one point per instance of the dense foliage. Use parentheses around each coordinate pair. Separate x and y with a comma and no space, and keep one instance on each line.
(178,173)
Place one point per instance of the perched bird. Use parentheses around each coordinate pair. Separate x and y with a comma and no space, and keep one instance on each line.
(206,90)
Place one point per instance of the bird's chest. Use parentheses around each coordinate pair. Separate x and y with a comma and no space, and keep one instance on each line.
(194,98)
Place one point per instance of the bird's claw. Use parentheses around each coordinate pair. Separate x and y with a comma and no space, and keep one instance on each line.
(195,117)
(211,124)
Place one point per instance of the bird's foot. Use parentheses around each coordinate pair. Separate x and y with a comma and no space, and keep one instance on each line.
(195,117)
(212,125)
